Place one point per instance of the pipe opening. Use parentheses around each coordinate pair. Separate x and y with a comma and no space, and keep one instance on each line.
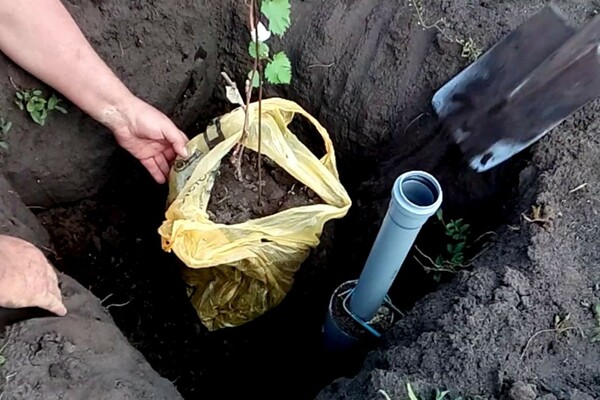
(420,191)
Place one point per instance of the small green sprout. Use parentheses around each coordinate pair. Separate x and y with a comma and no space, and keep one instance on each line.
(36,105)
(453,258)
(5,126)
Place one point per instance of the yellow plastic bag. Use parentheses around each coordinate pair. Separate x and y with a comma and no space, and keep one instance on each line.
(238,272)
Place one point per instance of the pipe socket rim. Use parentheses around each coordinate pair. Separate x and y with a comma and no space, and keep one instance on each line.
(417,193)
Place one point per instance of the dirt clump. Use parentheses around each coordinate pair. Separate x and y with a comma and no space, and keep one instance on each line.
(81,355)
(17,220)
(233,201)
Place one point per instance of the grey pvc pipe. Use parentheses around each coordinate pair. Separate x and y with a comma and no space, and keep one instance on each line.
(416,196)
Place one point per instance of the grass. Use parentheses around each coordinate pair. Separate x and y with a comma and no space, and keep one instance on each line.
(436,395)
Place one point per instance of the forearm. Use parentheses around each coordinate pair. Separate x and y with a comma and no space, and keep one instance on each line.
(43,39)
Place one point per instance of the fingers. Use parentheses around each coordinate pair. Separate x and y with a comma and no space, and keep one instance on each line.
(163,164)
(54,305)
(52,300)
(177,139)
(169,154)
(154,169)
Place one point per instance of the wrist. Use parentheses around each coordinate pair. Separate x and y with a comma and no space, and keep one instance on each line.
(114,114)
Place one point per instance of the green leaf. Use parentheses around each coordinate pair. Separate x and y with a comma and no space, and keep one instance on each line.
(40,105)
(255,79)
(31,106)
(2,360)
(411,394)
(3,145)
(52,102)
(279,70)
(449,247)
(439,214)
(37,92)
(19,95)
(278,12)
(465,228)
(439,261)
(263,50)
(441,395)
(19,104)
(6,127)
(36,117)
(61,109)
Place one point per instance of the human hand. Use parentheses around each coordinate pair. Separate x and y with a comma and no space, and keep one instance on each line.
(26,277)
(148,135)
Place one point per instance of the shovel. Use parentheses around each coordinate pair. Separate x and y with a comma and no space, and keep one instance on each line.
(521,89)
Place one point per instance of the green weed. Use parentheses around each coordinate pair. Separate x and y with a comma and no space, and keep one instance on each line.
(2,358)
(5,126)
(596,311)
(437,395)
(453,258)
(562,324)
(470,50)
(36,105)
(595,8)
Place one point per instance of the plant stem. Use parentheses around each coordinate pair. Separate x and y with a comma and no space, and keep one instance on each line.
(239,149)
(260,93)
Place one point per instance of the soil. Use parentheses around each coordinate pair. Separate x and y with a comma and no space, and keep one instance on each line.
(82,355)
(157,47)
(493,331)
(234,202)
(367,71)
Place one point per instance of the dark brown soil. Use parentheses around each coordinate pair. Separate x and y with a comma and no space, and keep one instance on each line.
(234,202)
(157,47)
(367,71)
(493,331)
(80,356)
